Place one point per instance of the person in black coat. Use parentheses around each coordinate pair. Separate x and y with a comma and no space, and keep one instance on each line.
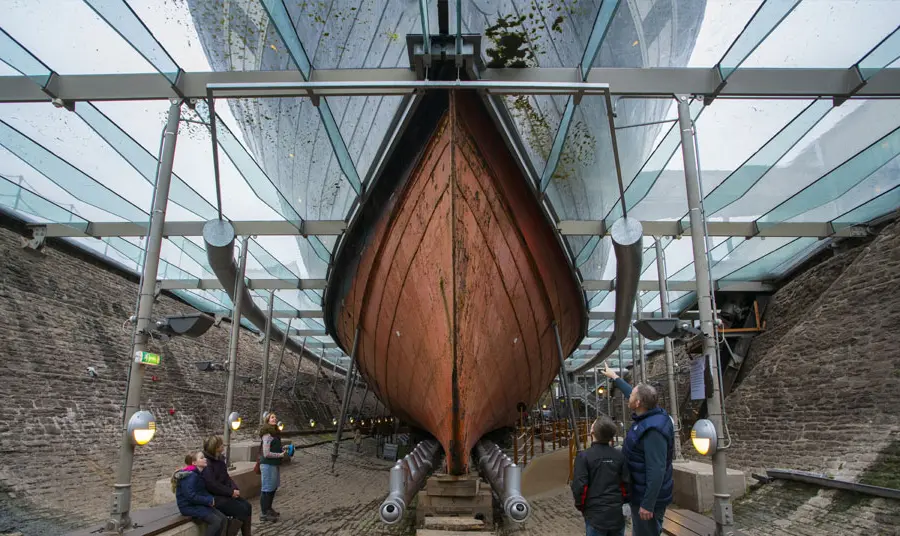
(600,481)
(222,487)
(192,498)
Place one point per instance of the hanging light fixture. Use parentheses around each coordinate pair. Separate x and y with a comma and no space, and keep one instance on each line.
(704,437)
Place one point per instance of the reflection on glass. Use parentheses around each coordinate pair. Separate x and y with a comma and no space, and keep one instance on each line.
(881,56)
(15,55)
(764,21)
(119,15)
(879,206)
(838,181)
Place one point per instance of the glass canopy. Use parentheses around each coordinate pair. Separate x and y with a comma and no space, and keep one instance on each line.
(772,155)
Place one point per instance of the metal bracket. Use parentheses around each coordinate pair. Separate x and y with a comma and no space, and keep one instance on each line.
(722,512)
(576,97)
(38,234)
(719,82)
(443,48)
(51,88)
(157,290)
(855,82)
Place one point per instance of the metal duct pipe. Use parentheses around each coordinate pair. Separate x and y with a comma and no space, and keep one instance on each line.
(505,478)
(407,478)
(627,239)
(219,235)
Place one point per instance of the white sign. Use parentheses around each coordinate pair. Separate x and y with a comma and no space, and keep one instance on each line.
(698,384)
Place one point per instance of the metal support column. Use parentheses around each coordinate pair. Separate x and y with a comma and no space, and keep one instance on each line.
(722,512)
(280,361)
(624,400)
(265,367)
(640,338)
(297,372)
(564,385)
(635,371)
(121,500)
(596,395)
(345,403)
(233,347)
(670,352)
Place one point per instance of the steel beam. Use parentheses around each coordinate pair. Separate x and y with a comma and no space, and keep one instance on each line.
(662,82)
(650,285)
(337,227)
(588,285)
(233,345)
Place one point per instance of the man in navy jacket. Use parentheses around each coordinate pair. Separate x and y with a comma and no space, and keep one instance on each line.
(649,448)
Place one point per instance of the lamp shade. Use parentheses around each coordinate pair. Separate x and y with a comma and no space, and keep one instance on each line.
(703,436)
(280,425)
(141,427)
(234,420)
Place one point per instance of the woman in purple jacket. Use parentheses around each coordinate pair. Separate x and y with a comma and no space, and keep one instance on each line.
(221,486)
(191,496)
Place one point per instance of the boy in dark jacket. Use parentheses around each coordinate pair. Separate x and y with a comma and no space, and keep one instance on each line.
(600,480)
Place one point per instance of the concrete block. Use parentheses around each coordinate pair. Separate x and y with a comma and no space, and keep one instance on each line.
(247,481)
(453,523)
(481,505)
(245,451)
(694,485)
(453,486)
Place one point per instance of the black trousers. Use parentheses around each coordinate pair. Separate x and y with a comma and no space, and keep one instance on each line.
(237,508)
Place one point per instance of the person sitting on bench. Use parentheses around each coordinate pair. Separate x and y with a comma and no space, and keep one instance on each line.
(192,498)
(222,487)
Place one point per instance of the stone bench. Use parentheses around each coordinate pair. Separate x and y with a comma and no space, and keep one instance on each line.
(693,482)
(247,481)
(162,520)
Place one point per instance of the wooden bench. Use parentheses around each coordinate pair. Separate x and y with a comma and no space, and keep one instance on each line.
(162,520)
(680,522)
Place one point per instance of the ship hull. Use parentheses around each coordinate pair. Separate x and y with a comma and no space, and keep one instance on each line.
(455,286)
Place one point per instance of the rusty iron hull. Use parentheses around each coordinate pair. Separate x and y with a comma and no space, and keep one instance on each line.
(455,282)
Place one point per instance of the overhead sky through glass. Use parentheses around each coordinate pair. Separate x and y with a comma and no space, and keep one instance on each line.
(768,161)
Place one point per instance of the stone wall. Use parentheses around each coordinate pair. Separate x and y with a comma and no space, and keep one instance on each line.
(823,388)
(61,311)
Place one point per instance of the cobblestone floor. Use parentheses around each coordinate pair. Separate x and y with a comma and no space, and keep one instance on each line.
(312,501)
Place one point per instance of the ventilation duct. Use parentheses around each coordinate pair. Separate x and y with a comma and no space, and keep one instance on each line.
(627,239)
(219,236)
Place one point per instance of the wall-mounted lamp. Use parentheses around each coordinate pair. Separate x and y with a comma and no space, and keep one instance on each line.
(234,420)
(141,427)
(312,423)
(704,437)
(280,425)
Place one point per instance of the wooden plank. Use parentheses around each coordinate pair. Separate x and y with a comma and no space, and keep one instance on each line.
(453,523)
(682,522)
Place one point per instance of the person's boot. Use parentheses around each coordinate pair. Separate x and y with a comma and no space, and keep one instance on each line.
(265,503)
(272,511)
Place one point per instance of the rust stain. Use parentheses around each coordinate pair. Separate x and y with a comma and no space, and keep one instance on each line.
(458,287)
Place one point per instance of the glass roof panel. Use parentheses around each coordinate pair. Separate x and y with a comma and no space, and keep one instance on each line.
(119,15)
(723,22)
(584,185)
(883,204)
(728,133)
(765,266)
(20,61)
(241,38)
(766,18)
(357,33)
(866,164)
(60,41)
(841,134)
(844,33)
(363,123)
(65,149)
(527,32)
(15,196)
(288,140)
(881,56)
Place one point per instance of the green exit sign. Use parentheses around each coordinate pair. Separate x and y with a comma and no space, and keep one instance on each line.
(146,358)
